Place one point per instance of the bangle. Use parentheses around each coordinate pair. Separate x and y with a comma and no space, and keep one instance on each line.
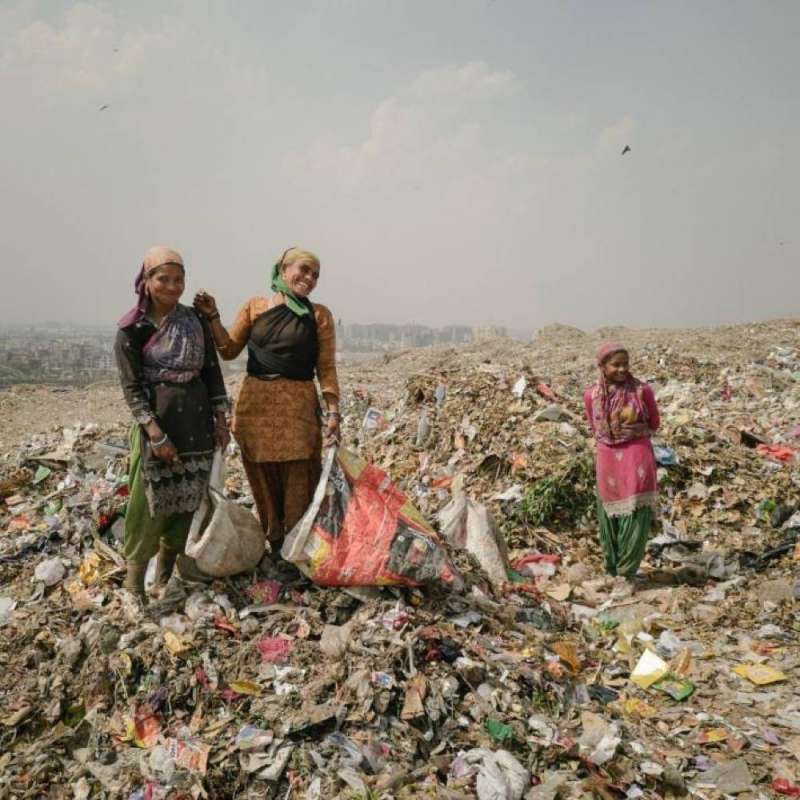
(213,316)
(161,441)
(333,414)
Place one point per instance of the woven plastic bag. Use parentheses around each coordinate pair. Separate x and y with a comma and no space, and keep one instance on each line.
(361,530)
(224,538)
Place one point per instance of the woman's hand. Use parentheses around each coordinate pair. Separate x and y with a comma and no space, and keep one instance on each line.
(635,429)
(222,435)
(331,436)
(206,304)
(165,452)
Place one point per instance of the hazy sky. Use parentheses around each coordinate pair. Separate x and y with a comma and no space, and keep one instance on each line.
(450,161)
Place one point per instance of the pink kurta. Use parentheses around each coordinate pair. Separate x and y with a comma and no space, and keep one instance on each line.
(626,471)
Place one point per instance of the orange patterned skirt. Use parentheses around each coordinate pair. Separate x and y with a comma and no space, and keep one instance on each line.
(277,420)
(277,426)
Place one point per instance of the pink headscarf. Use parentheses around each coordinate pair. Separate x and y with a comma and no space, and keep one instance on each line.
(608,349)
(154,258)
(608,404)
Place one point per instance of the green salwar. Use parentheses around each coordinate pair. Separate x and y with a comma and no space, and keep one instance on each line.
(143,532)
(624,539)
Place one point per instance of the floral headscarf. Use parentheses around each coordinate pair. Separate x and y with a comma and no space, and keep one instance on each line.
(613,405)
(154,258)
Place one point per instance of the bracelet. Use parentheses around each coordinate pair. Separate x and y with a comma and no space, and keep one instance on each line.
(159,442)
(213,316)
(334,414)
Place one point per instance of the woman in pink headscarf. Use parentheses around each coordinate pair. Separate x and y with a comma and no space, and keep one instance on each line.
(623,414)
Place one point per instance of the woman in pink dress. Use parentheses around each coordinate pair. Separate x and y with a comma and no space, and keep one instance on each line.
(623,414)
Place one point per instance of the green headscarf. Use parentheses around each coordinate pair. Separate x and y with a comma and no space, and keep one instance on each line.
(292,300)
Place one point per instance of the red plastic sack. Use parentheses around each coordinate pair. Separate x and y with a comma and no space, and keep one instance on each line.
(783,786)
(776,453)
(361,530)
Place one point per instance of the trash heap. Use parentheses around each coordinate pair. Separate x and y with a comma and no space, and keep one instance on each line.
(541,678)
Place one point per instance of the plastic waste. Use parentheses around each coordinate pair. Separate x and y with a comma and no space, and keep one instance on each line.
(224,538)
(334,640)
(600,739)
(676,688)
(50,572)
(469,526)
(785,787)
(499,775)
(649,669)
(665,456)
(551,413)
(7,606)
(728,777)
(759,674)
(423,429)
(360,530)
(373,421)
(534,565)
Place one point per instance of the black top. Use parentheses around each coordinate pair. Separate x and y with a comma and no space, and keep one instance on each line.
(282,343)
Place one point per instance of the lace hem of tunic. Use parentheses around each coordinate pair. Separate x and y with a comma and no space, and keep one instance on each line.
(619,508)
(190,464)
(177,497)
(178,488)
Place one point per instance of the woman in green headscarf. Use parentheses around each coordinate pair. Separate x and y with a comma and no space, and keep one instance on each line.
(290,341)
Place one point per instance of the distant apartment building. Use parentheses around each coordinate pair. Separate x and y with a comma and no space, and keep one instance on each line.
(488,332)
(382,336)
(52,355)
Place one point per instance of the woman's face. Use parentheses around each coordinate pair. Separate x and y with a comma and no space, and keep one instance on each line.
(166,284)
(301,278)
(617,368)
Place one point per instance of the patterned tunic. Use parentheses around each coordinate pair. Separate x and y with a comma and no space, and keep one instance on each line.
(626,470)
(170,372)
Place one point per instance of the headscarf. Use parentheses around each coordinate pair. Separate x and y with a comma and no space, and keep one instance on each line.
(292,256)
(608,349)
(608,406)
(154,258)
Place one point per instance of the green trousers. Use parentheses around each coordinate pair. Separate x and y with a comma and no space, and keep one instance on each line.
(144,533)
(624,539)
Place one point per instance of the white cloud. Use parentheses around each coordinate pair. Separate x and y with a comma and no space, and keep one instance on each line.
(410,138)
(85,49)
(472,81)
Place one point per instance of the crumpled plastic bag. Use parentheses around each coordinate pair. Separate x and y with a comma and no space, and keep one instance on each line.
(703,565)
(600,739)
(468,525)
(7,606)
(500,775)
(50,572)
(361,530)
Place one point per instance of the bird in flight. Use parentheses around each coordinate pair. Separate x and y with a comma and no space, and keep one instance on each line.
(103,108)
(626,150)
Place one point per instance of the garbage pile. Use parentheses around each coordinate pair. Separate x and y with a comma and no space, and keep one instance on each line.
(537,678)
